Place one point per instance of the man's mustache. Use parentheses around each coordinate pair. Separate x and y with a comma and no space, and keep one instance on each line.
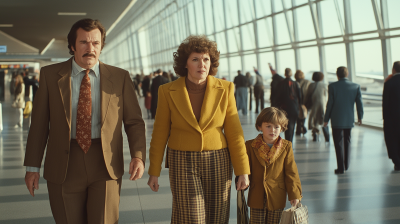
(89,54)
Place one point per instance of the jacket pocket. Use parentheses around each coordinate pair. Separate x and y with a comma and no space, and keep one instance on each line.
(282,185)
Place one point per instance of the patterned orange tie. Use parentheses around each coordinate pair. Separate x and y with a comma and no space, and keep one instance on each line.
(84,114)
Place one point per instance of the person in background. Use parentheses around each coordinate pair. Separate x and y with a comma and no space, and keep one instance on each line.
(241,84)
(250,81)
(340,109)
(146,83)
(166,76)
(276,79)
(156,82)
(19,100)
(173,77)
(259,91)
(199,120)
(391,115)
(288,99)
(273,169)
(317,93)
(138,83)
(303,83)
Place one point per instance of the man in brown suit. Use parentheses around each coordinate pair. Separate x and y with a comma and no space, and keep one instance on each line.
(78,113)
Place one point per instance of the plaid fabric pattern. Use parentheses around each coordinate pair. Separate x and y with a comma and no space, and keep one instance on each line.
(201,186)
(261,216)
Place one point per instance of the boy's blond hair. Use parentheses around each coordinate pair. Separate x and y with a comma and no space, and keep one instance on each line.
(274,116)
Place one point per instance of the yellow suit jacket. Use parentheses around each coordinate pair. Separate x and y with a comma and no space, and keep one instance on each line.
(51,121)
(219,126)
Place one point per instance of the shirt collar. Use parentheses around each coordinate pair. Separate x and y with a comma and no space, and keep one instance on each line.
(76,69)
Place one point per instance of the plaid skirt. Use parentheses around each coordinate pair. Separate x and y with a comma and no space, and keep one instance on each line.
(201,186)
(263,216)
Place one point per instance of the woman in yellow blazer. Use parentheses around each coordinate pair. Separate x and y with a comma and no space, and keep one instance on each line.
(197,117)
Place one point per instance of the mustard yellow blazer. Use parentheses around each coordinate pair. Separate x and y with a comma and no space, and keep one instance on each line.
(219,126)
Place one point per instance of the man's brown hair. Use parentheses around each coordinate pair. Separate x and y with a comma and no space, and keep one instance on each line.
(342,72)
(396,66)
(299,75)
(87,25)
(317,76)
(272,115)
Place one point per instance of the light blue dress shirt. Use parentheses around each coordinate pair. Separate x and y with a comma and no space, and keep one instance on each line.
(77,75)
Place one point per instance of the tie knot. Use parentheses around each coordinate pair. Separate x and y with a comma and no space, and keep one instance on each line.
(87,71)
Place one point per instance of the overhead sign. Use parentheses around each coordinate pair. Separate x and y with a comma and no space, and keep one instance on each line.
(3,48)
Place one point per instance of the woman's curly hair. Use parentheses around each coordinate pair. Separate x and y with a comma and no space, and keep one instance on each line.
(199,44)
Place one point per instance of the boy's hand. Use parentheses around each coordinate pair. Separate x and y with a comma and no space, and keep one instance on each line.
(243,182)
(294,202)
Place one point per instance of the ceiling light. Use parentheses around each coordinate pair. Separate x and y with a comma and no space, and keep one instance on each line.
(72,13)
(6,25)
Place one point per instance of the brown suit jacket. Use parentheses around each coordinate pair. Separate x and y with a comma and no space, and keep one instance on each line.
(269,184)
(51,121)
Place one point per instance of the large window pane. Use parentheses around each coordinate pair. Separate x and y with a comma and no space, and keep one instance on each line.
(330,22)
(218,15)
(234,40)
(192,19)
(286,60)
(395,44)
(305,23)
(198,7)
(223,69)
(362,16)
(236,64)
(246,11)
(248,37)
(335,56)
(266,58)
(309,61)
(208,16)
(263,8)
(221,42)
(231,13)
(393,13)
(250,61)
(368,59)
(277,5)
(265,35)
(282,30)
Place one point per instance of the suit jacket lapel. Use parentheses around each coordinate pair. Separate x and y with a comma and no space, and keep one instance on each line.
(64,84)
(212,98)
(106,88)
(180,97)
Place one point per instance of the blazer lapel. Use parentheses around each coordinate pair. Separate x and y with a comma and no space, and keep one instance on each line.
(64,84)
(106,88)
(180,97)
(212,98)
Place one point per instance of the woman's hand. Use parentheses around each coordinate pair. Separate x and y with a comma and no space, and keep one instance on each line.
(294,202)
(153,183)
(243,182)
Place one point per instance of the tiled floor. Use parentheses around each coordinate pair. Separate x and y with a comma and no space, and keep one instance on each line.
(368,193)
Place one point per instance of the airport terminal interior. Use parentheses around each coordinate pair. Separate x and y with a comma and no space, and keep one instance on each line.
(142,35)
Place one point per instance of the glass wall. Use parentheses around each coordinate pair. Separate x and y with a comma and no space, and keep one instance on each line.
(311,35)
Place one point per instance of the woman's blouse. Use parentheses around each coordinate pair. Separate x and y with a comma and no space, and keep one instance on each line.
(196,95)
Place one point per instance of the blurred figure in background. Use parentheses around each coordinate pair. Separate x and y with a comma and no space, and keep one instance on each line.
(303,83)
(138,83)
(259,90)
(391,112)
(250,81)
(340,109)
(146,83)
(276,79)
(241,84)
(317,93)
(288,99)
(19,99)
(166,76)
(157,81)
